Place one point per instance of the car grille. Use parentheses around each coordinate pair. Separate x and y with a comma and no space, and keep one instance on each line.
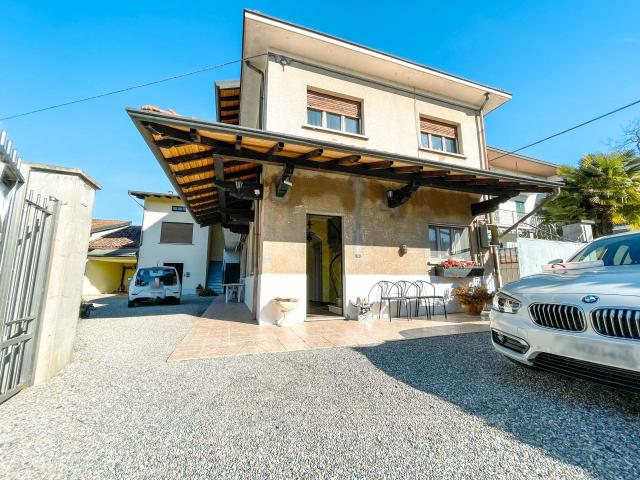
(560,317)
(617,322)
(610,376)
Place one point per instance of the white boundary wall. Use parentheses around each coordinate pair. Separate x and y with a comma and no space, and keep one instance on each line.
(533,253)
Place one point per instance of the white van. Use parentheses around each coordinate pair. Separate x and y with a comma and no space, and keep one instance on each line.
(155,284)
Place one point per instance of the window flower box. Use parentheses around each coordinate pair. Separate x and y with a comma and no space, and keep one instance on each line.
(453,268)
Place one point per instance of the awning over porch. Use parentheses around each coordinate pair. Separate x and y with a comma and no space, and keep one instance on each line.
(215,167)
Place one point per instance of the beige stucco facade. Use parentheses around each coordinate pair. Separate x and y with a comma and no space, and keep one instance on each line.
(372,235)
(390,116)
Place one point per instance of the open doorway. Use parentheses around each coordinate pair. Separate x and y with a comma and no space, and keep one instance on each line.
(324,267)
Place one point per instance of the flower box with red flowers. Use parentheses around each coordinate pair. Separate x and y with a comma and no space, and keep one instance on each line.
(456,268)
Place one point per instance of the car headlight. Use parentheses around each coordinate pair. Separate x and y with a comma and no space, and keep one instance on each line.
(505,304)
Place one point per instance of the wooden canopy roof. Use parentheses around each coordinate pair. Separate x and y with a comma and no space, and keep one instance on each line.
(215,167)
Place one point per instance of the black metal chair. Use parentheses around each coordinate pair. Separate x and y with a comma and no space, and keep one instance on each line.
(380,293)
(405,292)
(428,293)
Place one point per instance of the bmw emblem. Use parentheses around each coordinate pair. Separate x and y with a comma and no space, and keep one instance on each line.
(589,299)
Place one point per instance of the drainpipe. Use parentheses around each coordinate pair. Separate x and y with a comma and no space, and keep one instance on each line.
(494,249)
(547,199)
(261,73)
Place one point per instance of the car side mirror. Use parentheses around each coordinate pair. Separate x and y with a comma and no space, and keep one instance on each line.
(557,260)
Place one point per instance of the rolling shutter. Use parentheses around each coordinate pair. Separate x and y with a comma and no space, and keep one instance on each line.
(438,128)
(331,104)
(174,232)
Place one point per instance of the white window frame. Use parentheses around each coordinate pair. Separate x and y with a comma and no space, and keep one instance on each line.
(342,122)
(429,145)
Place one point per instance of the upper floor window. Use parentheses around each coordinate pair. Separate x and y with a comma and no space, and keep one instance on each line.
(178,208)
(438,135)
(335,113)
(176,232)
(520,206)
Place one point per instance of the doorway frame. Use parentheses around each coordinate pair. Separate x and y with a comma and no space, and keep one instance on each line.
(343,277)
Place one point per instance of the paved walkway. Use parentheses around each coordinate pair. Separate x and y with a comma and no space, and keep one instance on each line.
(227,330)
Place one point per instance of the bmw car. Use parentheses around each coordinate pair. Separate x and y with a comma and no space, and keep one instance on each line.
(578,318)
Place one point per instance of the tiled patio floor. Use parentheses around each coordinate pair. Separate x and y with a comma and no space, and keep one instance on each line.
(226,330)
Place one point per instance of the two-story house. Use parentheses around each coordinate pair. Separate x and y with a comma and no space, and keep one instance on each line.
(339,165)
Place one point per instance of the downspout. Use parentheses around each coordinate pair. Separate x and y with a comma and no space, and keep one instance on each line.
(547,199)
(261,73)
(493,248)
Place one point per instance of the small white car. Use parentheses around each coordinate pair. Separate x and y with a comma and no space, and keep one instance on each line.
(581,319)
(155,284)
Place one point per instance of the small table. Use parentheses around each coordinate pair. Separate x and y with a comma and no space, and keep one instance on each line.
(233,288)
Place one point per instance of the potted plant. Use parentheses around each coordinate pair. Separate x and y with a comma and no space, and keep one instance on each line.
(472,298)
(455,268)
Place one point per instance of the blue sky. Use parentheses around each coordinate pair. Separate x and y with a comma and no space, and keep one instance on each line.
(564,62)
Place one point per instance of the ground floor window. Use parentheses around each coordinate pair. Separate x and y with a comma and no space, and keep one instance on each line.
(449,241)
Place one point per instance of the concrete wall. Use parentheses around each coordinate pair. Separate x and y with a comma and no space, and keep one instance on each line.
(532,253)
(372,234)
(153,253)
(59,315)
(390,118)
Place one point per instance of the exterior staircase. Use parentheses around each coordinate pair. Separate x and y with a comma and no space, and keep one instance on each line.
(214,277)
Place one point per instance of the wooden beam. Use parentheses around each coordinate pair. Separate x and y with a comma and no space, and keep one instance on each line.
(193,171)
(248,155)
(230,98)
(435,173)
(409,169)
(209,192)
(277,147)
(459,178)
(383,164)
(190,157)
(312,154)
(346,161)
(286,180)
(195,136)
(222,195)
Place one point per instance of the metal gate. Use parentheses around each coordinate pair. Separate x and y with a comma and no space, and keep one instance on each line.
(25,247)
(509,264)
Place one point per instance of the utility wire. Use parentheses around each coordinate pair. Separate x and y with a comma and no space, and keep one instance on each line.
(133,87)
(568,129)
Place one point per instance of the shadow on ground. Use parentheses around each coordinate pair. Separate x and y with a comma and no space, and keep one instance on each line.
(115,306)
(578,422)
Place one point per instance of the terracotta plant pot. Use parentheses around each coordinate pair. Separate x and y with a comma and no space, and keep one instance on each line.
(473,308)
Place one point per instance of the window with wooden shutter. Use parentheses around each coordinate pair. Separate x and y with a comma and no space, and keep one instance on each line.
(437,135)
(335,113)
(175,232)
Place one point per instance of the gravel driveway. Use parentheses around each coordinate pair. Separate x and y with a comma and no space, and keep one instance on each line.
(441,407)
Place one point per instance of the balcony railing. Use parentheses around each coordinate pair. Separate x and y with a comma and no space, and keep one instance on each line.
(532,227)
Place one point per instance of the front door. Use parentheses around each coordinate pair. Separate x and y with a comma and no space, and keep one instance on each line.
(324,267)
(179,267)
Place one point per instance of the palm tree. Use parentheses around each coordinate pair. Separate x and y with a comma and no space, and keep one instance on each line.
(604,187)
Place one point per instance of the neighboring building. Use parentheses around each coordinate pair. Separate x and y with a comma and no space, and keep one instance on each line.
(112,257)
(516,208)
(171,237)
(339,166)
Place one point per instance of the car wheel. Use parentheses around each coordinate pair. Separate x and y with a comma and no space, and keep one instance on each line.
(131,304)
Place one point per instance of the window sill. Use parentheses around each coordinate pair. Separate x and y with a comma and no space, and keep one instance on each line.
(442,152)
(337,132)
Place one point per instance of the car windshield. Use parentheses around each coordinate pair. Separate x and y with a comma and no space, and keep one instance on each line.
(614,251)
(167,276)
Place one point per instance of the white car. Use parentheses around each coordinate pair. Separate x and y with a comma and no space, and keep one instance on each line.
(155,284)
(583,322)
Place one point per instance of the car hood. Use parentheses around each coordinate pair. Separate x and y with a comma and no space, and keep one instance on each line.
(622,280)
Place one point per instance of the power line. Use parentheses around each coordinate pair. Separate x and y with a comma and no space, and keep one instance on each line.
(568,129)
(133,87)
